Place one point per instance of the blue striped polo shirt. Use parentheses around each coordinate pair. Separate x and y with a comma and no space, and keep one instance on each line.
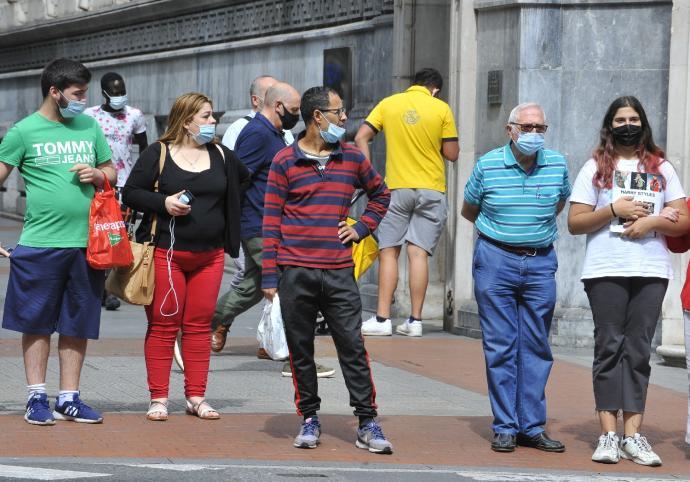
(516,207)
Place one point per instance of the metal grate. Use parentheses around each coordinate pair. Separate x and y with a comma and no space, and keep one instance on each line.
(247,20)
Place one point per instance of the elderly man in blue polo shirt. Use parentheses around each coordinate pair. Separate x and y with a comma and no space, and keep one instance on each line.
(513,197)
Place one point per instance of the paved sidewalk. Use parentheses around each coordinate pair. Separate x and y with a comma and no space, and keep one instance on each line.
(431,394)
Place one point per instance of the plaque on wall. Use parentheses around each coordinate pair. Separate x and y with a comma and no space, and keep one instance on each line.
(494,91)
(337,73)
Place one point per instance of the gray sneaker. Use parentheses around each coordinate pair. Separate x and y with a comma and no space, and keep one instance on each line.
(309,433)
(322,371)
(370,437)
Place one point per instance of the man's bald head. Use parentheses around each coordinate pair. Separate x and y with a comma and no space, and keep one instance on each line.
(257,90)
(281,92)
(281,105)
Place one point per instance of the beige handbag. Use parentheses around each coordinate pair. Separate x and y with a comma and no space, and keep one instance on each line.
(136,283)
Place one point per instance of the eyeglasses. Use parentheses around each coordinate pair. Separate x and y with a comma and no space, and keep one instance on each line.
(541,128)
(338,112)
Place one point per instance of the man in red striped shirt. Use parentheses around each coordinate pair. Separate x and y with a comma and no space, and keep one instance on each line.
(307,258)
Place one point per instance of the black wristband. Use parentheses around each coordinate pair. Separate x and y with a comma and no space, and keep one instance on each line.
(612,211)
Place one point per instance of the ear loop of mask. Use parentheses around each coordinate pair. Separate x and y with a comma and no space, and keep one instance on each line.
(168,259)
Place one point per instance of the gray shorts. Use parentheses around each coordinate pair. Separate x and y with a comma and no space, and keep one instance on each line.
(415,216)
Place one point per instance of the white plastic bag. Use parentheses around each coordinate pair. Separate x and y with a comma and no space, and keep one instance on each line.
(271,334)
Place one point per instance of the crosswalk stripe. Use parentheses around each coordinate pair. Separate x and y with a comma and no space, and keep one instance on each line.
(471,474)
(38,473)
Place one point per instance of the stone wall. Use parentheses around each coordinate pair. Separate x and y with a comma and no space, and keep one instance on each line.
(574,58)
(285,45)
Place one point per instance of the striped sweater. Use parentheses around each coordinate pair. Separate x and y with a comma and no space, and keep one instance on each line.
(304,204)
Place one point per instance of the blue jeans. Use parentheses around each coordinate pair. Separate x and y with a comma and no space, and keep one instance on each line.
(516,296)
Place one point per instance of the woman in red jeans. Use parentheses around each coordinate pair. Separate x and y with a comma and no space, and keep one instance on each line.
(192,185)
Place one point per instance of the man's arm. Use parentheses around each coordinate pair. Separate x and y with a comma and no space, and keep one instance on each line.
(469,211)
(5,170)
(450,149)
(379,198)
(274,202)
(364,136)
(141,140)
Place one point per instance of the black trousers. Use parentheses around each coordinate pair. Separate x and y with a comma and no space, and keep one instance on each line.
(305,291)
(625,311)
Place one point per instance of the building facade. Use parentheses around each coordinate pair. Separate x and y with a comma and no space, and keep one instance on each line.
(571,56)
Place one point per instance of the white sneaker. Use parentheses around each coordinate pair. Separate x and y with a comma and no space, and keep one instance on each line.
(639,451)
(607,451)
(409,329)
(372,327)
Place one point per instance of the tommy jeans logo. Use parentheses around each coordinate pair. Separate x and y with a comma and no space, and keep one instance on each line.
(67,152)
(109,226)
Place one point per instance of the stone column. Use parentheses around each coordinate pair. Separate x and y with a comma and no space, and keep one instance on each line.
(678,151)
(462,99)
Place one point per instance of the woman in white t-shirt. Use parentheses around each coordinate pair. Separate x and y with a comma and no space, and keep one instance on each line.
(617,200)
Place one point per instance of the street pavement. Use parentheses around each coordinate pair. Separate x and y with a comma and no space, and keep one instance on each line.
(432,401)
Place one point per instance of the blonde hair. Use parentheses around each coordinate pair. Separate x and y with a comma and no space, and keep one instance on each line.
(182,111)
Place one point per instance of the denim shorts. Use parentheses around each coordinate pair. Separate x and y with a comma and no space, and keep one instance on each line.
(53,290)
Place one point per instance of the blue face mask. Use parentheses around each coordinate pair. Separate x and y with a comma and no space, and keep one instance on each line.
(530,142)
(117,102)
(334,133)
(206,134)
(73,109)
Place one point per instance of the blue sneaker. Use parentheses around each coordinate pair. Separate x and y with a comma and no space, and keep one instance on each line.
(38,410)
(309,433)
(76,411)
(370,437)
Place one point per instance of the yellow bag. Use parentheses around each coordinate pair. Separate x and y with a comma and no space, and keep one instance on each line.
(364,252)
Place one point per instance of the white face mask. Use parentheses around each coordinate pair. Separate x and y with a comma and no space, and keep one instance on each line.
(117,102)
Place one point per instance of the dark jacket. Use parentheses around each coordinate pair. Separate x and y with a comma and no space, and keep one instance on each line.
(145,200)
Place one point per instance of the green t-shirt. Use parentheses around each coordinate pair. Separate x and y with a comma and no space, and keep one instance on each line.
(57,204)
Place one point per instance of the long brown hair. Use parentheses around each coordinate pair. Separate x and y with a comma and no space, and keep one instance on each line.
(649,154)
(182,111)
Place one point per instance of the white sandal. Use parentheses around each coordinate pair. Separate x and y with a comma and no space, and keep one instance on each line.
(202,410)
(158,411)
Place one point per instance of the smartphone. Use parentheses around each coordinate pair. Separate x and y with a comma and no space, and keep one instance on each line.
(187,197)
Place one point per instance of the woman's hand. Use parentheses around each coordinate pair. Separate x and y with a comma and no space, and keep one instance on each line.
(175,207)
(672,214)
(626,208)
(639,228)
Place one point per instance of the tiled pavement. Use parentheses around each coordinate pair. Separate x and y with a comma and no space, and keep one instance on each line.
(431,395)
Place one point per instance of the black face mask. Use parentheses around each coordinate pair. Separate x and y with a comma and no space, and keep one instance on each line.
(288,119)
(627,135)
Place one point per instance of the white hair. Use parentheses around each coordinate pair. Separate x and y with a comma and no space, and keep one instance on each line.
(520,107)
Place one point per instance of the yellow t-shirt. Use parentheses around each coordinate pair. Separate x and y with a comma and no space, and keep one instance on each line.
(416,124)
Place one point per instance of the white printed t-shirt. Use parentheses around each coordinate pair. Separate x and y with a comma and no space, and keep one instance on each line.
(609,254)
(119,128)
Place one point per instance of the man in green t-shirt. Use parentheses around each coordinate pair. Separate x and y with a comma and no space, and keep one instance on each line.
(62,156)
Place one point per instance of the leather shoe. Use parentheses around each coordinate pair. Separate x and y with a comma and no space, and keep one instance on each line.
(218,337)
(262,354)
(540,442)
(503,442)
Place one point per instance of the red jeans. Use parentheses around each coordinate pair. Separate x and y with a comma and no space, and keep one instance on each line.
(196,277)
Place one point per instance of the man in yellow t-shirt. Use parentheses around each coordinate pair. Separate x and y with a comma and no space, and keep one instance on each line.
(420,132)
